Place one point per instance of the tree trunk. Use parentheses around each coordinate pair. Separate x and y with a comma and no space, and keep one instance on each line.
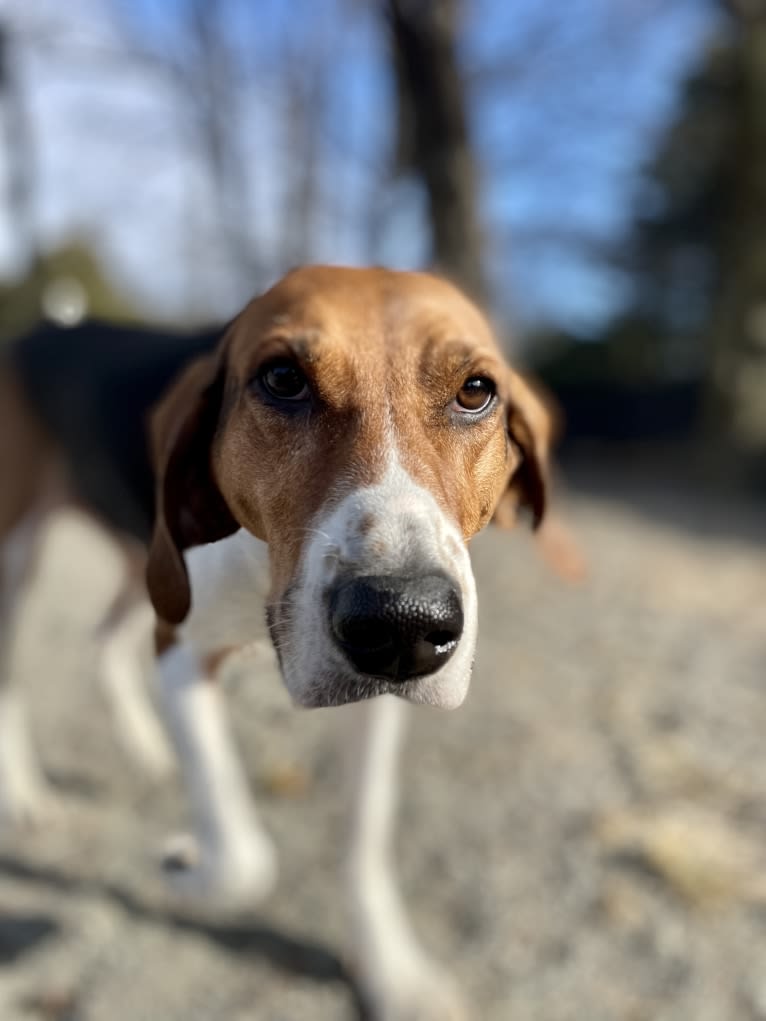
(739,342)
(434,139)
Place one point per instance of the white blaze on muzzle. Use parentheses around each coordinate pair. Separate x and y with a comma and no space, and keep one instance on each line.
(388,545)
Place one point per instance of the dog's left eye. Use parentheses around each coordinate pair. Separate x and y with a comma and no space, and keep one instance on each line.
(475,395)
(283,380)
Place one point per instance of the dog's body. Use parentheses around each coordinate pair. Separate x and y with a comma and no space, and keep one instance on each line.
(327,460)
(91,389)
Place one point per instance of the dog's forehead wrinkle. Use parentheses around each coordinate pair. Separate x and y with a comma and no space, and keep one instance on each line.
(394,326)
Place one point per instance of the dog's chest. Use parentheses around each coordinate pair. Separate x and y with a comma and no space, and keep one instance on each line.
(229,585)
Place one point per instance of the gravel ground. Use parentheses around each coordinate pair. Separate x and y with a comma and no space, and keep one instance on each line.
(584,839)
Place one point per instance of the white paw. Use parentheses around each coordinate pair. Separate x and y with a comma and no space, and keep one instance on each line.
(232,877)
(419,992)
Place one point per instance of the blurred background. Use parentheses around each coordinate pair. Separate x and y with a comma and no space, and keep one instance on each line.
(594,174)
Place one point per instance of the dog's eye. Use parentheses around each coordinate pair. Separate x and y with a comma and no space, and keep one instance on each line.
(283,380)
(475,395)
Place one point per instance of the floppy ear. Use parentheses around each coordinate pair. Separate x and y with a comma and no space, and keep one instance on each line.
(532,424)
(189,509)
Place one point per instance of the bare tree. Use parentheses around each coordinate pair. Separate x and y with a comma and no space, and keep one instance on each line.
(739,327)
(434,138)
(19,149)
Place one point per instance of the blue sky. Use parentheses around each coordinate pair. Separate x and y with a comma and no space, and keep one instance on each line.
(583,89)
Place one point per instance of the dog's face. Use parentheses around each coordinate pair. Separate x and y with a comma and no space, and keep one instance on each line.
(364,424)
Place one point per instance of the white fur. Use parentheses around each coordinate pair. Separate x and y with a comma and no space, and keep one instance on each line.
(25,797)
(229,583)
(401,981)
(235,858)
(123,667)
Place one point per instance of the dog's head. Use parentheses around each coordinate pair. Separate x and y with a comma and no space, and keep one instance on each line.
(364,424)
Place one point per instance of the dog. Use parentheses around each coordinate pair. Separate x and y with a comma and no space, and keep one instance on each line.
(309,477)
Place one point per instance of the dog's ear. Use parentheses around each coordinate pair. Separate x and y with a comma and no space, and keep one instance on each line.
(189,509)
(532,425)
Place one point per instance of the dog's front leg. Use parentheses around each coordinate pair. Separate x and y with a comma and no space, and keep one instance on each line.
(123,665)
(231,858)
(395,974)
(25,798)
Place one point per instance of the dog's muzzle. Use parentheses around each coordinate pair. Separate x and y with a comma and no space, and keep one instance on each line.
(397,627)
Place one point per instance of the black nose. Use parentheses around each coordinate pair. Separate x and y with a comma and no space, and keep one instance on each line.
(397,627)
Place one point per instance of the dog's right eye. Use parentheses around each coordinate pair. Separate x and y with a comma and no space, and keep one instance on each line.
(284,381)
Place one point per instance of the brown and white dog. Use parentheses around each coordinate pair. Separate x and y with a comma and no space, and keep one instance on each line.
(319,471)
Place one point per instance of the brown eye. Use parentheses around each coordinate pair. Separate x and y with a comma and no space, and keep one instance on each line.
(475,395)
(284,381)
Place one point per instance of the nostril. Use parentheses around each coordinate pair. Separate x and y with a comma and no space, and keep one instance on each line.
(441,639)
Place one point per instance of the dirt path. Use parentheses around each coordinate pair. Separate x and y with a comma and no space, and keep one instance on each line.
(584,840)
